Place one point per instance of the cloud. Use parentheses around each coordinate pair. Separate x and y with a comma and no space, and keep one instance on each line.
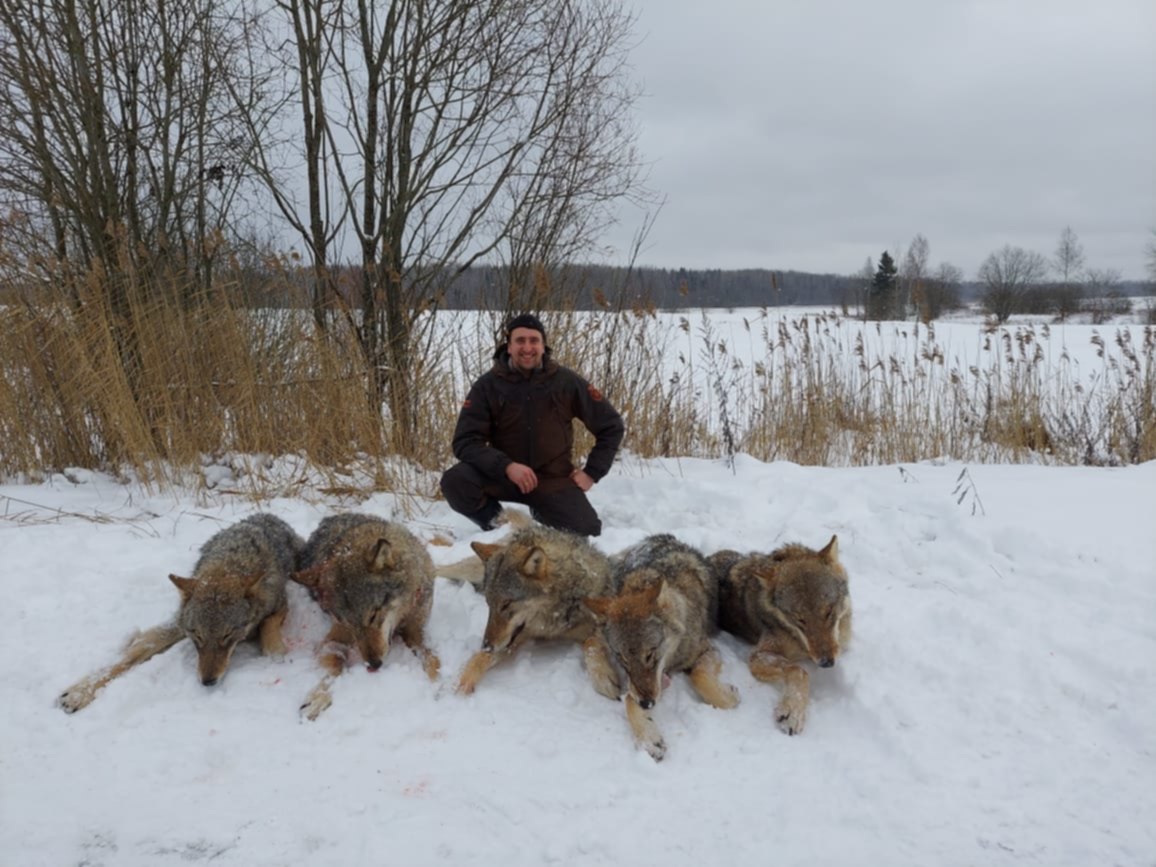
(810,136)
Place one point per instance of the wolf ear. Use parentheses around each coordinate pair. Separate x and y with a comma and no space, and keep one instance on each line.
(382,557)
(830,554)
(184,585)
(535,565)
(485,550)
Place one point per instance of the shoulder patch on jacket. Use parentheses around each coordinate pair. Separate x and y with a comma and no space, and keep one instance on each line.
(466,403)
(595,394)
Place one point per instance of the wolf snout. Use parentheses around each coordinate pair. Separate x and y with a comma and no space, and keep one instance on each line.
(210,681)
(826,662)
(646,703)
(373,664)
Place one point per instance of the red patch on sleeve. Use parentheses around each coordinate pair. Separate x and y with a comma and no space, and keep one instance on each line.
(595,394)
(466,403)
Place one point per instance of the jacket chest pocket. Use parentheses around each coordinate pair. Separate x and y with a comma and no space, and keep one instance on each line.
(513,411)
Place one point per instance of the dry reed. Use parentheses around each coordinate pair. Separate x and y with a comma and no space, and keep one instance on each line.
(211,380)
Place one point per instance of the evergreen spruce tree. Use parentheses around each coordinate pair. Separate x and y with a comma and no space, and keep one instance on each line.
(882,294)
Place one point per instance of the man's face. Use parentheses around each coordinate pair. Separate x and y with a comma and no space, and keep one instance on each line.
(526,348)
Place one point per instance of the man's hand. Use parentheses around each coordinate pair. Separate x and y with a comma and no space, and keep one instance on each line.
(582,480)
(522,476)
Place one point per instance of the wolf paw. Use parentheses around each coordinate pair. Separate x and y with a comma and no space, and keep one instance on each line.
(728,697)
(76,697)
(479,664)
(791,717)
(607,686)
(466,686)
(431,665)
(656,749)
(316,703)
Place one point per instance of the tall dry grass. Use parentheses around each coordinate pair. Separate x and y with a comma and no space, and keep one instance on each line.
(208,379)
(217,379)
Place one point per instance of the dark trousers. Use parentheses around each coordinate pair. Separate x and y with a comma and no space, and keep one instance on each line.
(556,503)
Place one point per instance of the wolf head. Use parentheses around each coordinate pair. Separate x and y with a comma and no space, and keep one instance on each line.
(533,584)
(643,628)
(517,590)
(806,594)
(218,611)
(362,586)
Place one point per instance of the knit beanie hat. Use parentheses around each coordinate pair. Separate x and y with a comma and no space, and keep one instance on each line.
(526,320)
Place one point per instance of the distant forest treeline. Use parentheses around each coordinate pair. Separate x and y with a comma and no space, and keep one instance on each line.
(595,286)
(588,287)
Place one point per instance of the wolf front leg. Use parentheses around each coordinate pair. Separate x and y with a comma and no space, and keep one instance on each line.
(646,733)
(769,666)
(484,660)
(142,647)
(475,670)
(412,632)
(599,667)
(270,632)
(334,656)
(704,677)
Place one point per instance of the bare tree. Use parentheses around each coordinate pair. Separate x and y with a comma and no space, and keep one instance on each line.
(120,143)
(941,292)
(452,131)
(287,150)
(913,275)
(1104,298)
(117,130)
(1068,264)
(1150,260)
(1068,261)
(1008,275)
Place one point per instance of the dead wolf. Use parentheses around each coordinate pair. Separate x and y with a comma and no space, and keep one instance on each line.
(793,605)
(660,620)
(237,592)
(372,577)
(534,584)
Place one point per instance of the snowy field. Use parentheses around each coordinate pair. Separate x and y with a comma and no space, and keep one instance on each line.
(996,705)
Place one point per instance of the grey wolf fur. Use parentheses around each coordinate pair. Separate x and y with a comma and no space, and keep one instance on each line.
(372,577)
(660,621)
(237,592)
(794,606)
(534,584)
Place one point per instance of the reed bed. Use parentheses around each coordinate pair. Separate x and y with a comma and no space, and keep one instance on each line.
(213,384)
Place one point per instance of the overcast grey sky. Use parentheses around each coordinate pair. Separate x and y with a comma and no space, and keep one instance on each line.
(811,134)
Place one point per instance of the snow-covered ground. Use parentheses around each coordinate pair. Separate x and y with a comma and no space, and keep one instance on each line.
(996,705)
